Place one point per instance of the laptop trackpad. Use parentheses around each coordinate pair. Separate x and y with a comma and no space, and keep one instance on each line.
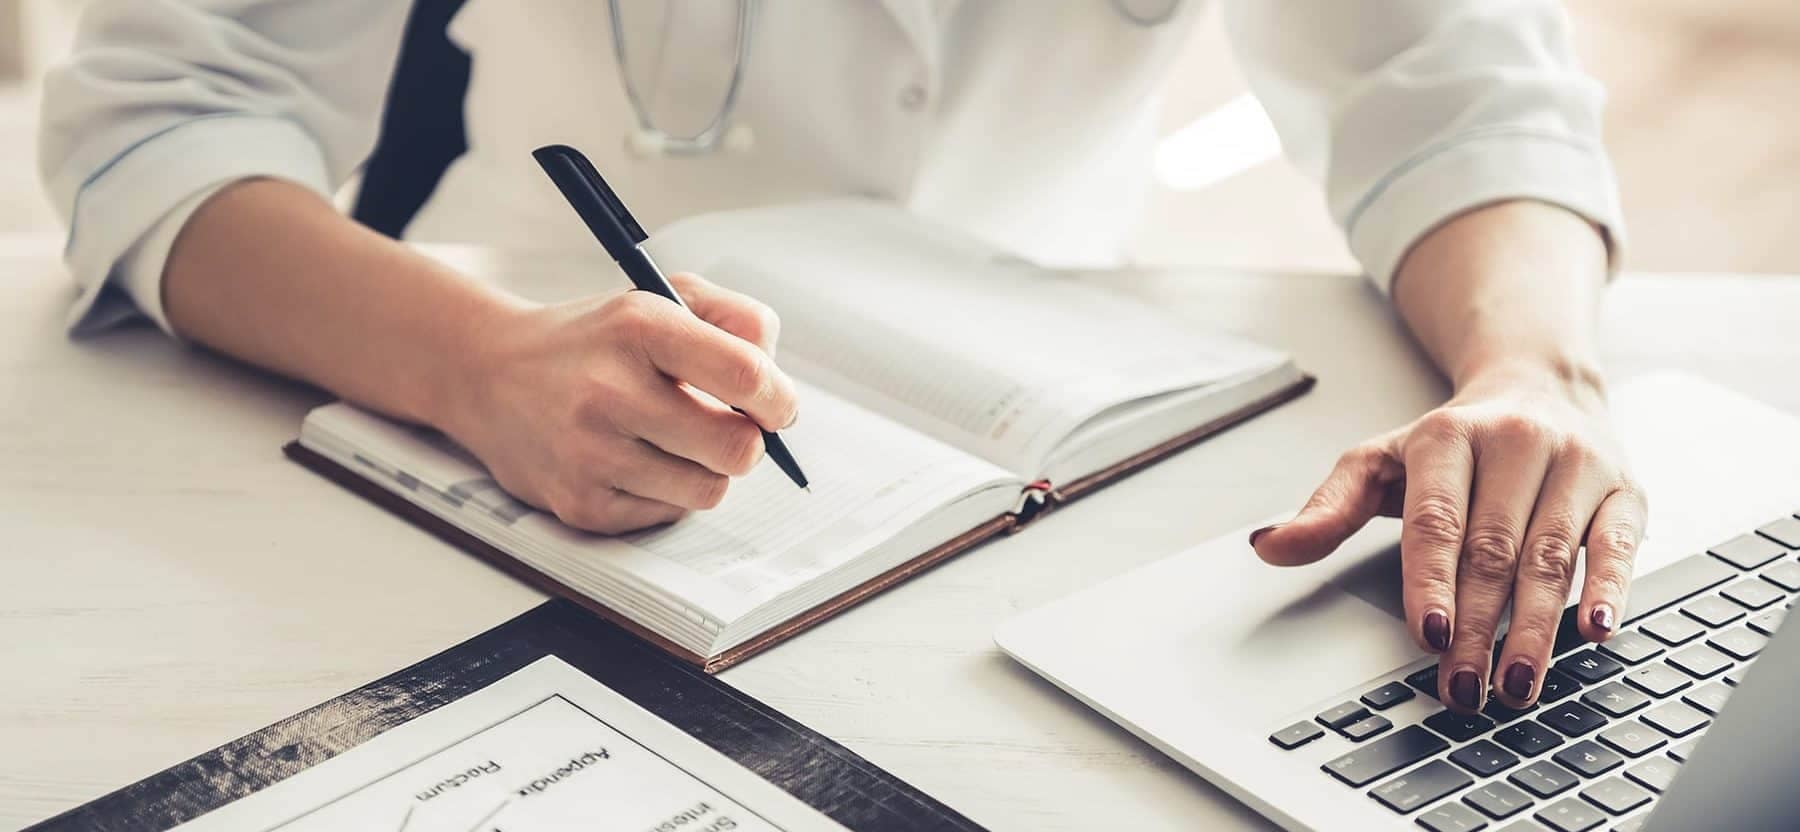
(1375,579)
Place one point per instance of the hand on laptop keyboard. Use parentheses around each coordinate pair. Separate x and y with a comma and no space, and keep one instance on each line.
(1498,490)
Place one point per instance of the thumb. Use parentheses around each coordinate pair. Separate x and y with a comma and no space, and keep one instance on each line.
(734,312)
(1358,488)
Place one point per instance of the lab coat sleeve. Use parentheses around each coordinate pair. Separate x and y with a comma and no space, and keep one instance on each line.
(1409,112)
(164,101)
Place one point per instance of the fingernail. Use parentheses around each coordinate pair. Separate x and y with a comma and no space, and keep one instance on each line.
(1465,689)
(1519,678)
(1260,532)
(1602,618)
(1437,630)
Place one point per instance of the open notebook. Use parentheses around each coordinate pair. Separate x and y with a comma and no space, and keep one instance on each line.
(948,393)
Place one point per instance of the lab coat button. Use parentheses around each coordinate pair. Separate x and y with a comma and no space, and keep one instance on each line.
(912,98)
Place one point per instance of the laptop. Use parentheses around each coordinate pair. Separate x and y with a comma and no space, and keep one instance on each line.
(1299,692)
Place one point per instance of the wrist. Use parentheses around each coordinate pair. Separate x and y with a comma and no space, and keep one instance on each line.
(1571,376)
(474,343)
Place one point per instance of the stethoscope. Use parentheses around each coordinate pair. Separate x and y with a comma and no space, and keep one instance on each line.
(648,140)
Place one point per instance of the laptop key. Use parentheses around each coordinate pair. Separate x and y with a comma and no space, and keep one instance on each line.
(1339,716)
(1483,758)
(1457,726)
(1632,739)
(1768,622)
(1700,661)
(1631,647)
(1527,738)
(1748,551)
(1753,593)
(1740,643)
(1785,574)
(1451,817)
(1422,786)
(1671,584)
(1543,778)
(1588,759)
(1589,667)
(1631,824)
(1498,800)
(1677,719)
(1425,681)
(1673,629)
(1733,676)
(1365,764)
(1683,750)
(1616,795)
(1570,815)
(1571,718)
(1655,773)
(1366,727)
(1615,699)
(1297,734)
(1785,531)
(1556,686)
(1658,680)
(1712,610)
(1499,712)
(1709,697)
(1387,696)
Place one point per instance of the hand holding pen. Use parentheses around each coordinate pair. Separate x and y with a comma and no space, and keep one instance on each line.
(615,228)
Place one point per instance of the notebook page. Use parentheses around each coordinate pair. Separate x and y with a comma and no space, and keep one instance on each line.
(985,352)
(870,479)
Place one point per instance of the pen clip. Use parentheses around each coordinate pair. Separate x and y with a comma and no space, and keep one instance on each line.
(592,198)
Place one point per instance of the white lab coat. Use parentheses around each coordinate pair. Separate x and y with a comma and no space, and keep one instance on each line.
(1028,122)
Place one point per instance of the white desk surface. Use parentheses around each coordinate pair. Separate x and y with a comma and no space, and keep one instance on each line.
(168,581)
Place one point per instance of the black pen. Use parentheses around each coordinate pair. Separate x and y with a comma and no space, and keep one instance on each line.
(615,228)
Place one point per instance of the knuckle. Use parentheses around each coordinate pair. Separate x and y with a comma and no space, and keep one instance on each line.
(710,489)
(1490,555)
(749,372)
(1550,559)
(1436,521)
(1613,540)
(768,324)
(742,449)
(630,316)
(599,399)
(1442,425)
(1518,428)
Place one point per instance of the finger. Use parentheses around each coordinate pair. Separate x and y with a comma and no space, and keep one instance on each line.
(611,511)
(681,424)
(1510,463)
(722,365)
(1439,467)
(1355,491)
(1613,538)
(1572,490)
(734,312)
(646,471)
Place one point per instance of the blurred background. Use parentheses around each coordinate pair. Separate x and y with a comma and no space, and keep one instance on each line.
(1702,125)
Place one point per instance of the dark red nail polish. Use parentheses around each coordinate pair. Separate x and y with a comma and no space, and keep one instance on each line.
(1465,689)
(1437,630)
(1518,681)
(1260,532)
(1602,618)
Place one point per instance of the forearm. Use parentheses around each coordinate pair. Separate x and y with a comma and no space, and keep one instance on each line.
(271,274)
(1508,289)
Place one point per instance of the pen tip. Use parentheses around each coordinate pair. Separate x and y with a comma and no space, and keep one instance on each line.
(806,488)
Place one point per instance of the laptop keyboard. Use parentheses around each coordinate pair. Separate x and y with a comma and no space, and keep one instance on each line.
(1613,723)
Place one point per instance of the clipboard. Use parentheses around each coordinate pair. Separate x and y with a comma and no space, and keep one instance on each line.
(826,776)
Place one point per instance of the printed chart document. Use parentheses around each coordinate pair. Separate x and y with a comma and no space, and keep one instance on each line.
(546,749)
